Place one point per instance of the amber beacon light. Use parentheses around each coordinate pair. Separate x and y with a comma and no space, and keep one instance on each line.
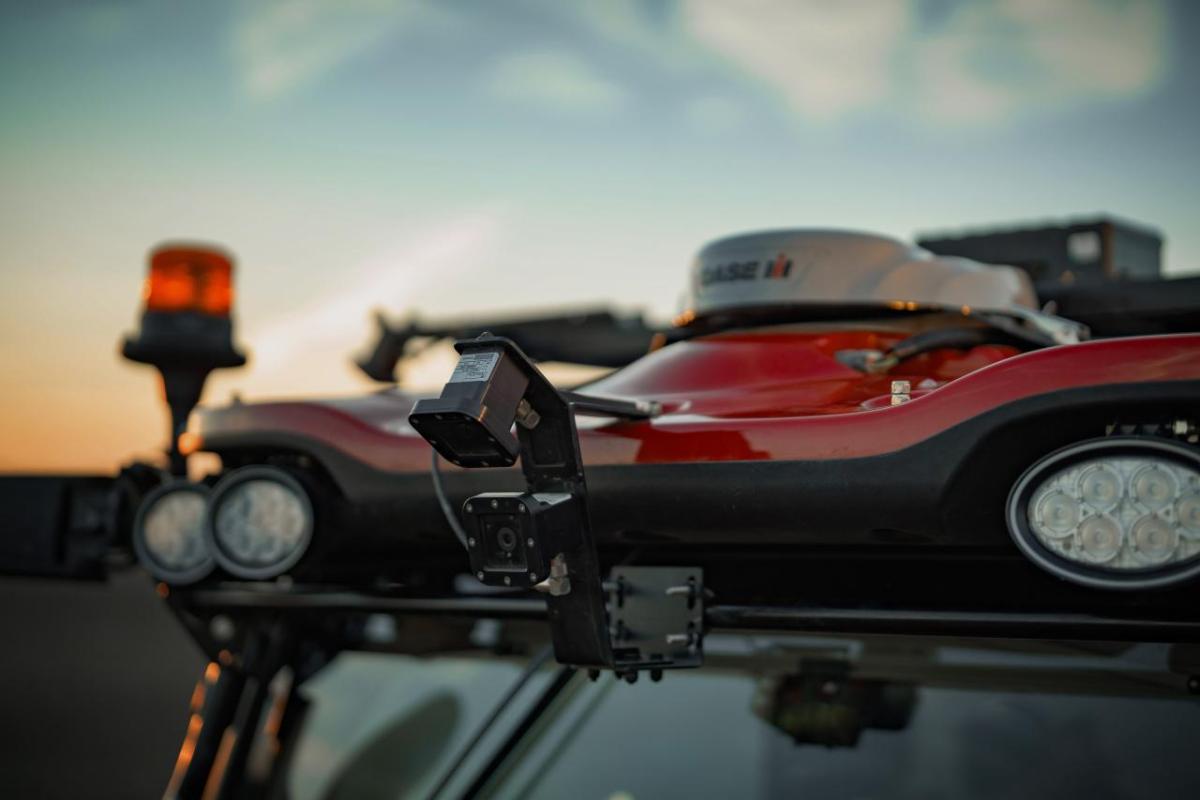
(186,329)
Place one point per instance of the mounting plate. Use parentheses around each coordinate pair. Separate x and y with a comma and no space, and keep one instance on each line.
(656,617)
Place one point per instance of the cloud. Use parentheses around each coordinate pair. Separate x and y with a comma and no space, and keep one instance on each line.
(980,63)
(824,58)
(281,45)
(988,61)
(557,79)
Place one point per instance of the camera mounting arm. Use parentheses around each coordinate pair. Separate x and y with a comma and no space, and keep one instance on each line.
(540,538)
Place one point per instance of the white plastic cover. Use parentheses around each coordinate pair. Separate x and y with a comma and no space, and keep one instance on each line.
(846,268)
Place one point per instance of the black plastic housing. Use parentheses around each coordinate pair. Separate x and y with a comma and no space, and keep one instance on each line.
(470,423)
(512,536)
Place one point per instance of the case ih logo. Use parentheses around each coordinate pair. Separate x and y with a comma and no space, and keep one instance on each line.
(779,267)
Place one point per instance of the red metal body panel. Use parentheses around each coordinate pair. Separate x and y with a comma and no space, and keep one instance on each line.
(747,396)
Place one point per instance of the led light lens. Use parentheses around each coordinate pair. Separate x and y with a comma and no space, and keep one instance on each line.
(1154,486)
(169,533)
(1099,539)
(1057,514)
(1100,486)
(261,522)
(1154,540)
(1187,510)
(1125,511)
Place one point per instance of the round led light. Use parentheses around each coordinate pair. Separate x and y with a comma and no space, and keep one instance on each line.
(1154,487)
(1118,512)
(1100,539)
(1057,514)
(168,533)
(1187,511)
(1100,487)
(1153,539)
(260,522)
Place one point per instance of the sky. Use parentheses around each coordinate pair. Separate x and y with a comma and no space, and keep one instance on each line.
(450,158)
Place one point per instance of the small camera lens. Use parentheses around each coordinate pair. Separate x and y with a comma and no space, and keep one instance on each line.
(507,539)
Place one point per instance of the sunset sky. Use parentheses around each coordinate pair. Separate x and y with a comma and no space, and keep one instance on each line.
(454,157)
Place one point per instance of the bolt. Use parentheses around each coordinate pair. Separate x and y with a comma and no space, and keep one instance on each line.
(470,508)
(495,504)
(507,581)
(631,677)
(471,542)
(656,675)
(479,575)
(533,577)
(221,628)
(529,541)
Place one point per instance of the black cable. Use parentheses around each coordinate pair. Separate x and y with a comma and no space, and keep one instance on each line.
(447,511)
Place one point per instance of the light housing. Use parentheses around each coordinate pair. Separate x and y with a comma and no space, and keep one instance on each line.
(186,330)
(1114,513)
(260,522)
(169,533)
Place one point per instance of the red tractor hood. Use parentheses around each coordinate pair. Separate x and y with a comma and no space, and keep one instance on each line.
(744,396)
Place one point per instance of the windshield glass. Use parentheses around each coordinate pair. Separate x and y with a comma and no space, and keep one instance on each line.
(384,726)
(769,718)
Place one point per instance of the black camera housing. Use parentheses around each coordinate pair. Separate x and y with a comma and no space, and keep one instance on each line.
(470,423)
(512,536)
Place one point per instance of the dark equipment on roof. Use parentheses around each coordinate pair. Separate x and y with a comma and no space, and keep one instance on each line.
(1086,251)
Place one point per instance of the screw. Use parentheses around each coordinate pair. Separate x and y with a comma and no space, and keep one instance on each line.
(529,541)
(470,508)
(495,504)
(471,542)
(533,577)
(221,628)
(631,677)
(1193,684)
(479,575)
(656,675)
(507,581)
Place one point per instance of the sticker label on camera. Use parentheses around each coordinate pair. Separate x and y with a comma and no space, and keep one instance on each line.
(474,367)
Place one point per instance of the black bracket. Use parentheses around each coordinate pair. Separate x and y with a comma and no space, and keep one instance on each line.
(540,538)
(657,617)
